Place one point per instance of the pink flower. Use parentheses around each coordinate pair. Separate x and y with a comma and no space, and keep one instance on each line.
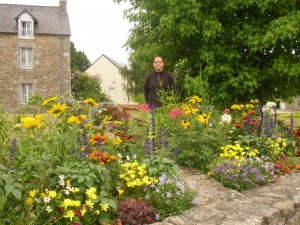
(144,107)
(174,113)
(226,111)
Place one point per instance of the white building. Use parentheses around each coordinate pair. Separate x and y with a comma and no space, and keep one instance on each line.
(112,82)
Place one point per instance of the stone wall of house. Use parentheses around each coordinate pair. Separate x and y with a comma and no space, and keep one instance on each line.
(50,75)
(295,105)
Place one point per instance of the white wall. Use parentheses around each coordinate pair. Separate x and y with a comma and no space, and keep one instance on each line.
(111,79)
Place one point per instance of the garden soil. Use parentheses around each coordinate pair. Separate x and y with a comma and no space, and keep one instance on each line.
(277,203)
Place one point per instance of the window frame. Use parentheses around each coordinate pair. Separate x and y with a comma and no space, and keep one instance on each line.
(26,92)
(28,31)
(26,58)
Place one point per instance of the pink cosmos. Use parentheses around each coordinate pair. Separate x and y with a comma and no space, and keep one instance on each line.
(144,107)
(174,113)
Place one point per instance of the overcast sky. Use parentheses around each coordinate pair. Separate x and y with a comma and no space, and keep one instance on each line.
(97,26)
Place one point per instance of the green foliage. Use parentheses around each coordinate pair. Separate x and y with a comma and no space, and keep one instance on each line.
(160,165)
(243,49)
(86,174)
(79,61)
(84,86)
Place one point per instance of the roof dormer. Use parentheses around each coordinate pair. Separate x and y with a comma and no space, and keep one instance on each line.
(26,22)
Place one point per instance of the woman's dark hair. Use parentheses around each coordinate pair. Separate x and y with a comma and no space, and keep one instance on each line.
(158,56)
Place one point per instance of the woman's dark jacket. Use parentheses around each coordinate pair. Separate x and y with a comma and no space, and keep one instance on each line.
(157,81)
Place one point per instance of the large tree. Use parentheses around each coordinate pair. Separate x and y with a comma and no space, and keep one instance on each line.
(242,49)
(79,60)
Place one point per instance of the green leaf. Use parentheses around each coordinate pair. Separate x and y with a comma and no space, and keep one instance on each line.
(8,189)
(112,203)
(80,179)
(17,193)
(2,167)
(3,199)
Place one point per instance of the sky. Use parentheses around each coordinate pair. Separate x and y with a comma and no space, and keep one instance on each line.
(97,26)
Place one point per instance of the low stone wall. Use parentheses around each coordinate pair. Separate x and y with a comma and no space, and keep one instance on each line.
(277,203)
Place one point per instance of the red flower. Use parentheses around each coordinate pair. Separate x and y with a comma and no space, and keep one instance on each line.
(226,111)
(143,107)
(174,113)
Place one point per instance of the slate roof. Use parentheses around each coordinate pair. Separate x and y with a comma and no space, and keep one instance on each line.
(49,19)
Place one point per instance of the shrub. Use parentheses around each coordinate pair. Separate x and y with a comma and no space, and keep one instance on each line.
(135,212)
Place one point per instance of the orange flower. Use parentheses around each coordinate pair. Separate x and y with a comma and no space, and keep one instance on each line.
(297,166)
(95,155)
(98,139)
(238,125)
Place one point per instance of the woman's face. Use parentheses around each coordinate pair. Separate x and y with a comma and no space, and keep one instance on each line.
(158,64)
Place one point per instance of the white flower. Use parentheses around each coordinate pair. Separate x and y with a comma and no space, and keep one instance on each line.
(47,199)
(31,214)
(67,192)
(226,118)
(128,157)
(49,209)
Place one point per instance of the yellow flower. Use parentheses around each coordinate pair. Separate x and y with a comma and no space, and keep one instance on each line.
(70,214)
(29,201)
(104,206)
(57,109)
(90,101)
(107,119)
(117,122)
(89,203)
(255,101)
(47,101)
(120,191)
(30,122)
(195,99)
(66,203)
(33,193)
(83,211)
(97,212)
(185,124)
(91,193)
(52,194)
(203,118)
(74,189)
(73,119)
(117,141)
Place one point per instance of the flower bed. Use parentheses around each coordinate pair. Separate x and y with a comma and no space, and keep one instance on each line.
(81,162)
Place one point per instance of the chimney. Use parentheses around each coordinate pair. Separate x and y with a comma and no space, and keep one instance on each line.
(63,6)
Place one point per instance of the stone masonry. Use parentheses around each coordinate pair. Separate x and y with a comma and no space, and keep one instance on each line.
(50,75)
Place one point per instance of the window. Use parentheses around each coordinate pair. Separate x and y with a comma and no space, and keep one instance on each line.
(25,29)
(112,93)
(26,57)
(26,91)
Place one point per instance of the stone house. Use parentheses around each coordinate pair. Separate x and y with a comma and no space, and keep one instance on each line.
(35,53)
(112,83)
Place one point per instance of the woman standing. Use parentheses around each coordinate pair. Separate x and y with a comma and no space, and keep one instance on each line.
(156,81)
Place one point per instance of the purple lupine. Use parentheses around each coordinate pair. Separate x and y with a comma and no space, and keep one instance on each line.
(176,151)
(148,147)
(167,135)
(291,130)
(12,154)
